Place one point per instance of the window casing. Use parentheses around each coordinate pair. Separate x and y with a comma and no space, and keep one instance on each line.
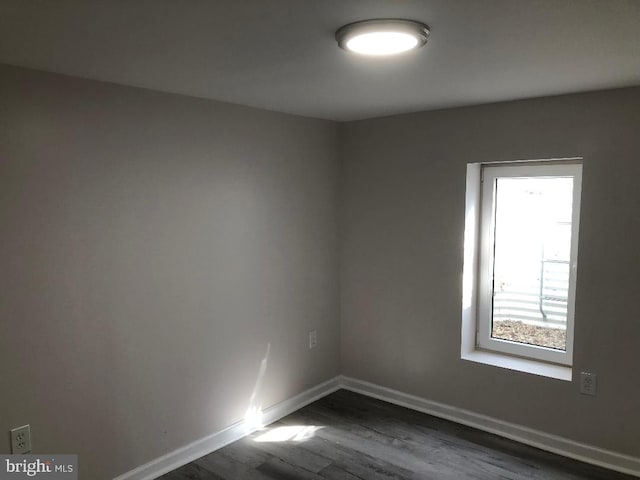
(527,257)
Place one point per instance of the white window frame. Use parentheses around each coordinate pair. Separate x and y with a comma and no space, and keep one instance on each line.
(477,344)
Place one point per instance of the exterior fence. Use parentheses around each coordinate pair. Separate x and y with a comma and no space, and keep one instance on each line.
(542,304)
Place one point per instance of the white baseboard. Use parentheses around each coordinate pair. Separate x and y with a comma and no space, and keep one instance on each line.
(206,445)
(535,438)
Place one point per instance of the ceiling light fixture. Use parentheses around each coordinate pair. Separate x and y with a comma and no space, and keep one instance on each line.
(381,37)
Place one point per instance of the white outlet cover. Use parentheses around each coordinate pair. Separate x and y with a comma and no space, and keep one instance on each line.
(588,383)
(313,339)
(21,439)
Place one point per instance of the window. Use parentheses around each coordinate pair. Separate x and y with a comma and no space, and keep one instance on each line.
(524,222)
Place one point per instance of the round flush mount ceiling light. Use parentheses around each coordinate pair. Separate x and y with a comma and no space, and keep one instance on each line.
(382,36)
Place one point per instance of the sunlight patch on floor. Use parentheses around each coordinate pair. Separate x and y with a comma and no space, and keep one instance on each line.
(294,433)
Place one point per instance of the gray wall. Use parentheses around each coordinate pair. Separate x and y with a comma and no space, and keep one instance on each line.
(402,220)
(151,247)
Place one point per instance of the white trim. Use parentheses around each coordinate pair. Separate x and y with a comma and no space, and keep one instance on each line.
(534,367)
(491,174)
(535,438)
(470,265)
(217,440)
(469,349)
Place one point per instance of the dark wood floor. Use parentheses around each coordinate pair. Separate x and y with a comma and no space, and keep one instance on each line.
(361,438)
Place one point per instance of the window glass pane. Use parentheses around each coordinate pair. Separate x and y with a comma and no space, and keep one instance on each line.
(532,260)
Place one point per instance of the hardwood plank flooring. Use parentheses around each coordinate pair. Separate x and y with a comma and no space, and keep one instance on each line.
(360,438)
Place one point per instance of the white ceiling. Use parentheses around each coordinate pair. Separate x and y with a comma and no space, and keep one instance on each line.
(281,55)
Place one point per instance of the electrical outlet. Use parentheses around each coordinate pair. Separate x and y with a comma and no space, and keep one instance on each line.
(313,339)
(21,439)
(588,383)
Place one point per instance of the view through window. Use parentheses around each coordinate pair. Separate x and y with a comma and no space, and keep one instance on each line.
(531,260)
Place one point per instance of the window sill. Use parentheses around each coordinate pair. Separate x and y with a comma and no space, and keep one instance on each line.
(519,364)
